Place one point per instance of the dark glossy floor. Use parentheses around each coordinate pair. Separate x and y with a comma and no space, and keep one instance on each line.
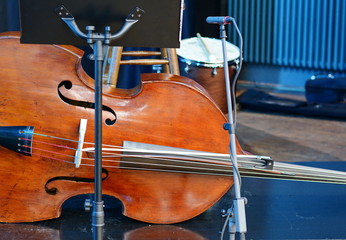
(276,209)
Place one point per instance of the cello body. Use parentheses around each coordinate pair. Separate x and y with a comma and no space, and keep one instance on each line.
(45,86)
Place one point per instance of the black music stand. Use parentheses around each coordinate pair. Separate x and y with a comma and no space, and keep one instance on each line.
(54,22)
(159,28)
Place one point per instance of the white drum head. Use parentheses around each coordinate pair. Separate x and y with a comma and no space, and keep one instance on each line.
(192,51)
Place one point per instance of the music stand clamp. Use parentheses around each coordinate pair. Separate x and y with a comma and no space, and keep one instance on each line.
(98,42)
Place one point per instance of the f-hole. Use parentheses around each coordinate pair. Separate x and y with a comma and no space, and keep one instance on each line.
(54,190)
(68,85)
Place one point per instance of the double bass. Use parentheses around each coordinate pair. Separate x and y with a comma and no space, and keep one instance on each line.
(164,150)
(45,89)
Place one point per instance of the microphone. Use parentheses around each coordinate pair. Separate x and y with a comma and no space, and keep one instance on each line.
(219,20)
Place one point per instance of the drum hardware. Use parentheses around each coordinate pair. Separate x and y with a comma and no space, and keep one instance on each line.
(214,72)
(187,68)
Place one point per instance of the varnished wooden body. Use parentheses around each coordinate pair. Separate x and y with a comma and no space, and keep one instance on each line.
(165,110)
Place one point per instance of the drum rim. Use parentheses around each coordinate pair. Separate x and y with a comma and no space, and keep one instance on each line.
(207,65)
(197,63)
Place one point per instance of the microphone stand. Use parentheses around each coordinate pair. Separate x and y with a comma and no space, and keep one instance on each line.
(98,42)
(237,223)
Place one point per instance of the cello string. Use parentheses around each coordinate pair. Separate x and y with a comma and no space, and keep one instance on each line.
(68,140)
(166,160)
(301,169)
(51,144)
(122,155)
(309,175)
(313,174)
(224,158)
(150,164)
(298,169)
(263,172)
(44,150)
(116,155)
(113,155)
(292,167)
(190,157)
(248,172)
(50,136)
(120,148)
(57,159)
(228,173)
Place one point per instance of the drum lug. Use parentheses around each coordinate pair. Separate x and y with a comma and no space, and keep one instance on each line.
(214,72)
(187,68)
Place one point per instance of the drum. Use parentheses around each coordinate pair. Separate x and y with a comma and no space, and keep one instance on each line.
(201,59)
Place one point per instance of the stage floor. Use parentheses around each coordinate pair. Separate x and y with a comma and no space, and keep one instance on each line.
(291,138)
(276,209)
